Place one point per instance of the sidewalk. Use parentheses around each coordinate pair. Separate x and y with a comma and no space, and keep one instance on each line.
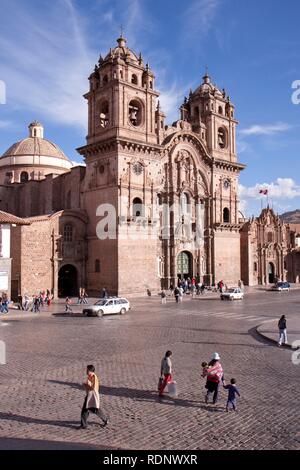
(269,330)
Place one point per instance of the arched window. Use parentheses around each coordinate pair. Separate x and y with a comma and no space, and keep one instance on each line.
(151,85)
(97,266)
(226,215)
(134,79)
(220,110)
(104,114)
(68,233)
(24,177)
(222,137)
(138,210)
(135,113)
(68,200)
(270,237)
(34,133)
(184,203)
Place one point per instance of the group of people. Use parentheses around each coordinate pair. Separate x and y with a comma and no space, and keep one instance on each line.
(82,296)
(212,371)
(26,302)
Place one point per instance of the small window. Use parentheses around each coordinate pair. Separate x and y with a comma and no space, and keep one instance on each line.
(134,79)
(151,85)
(24,177)
(68,233)
(270,237)
(105,80)
(226,215)
(255,267)
(220,110)
(196,112)
(97,266)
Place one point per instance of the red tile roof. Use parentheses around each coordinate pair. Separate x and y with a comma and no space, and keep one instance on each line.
(6,218)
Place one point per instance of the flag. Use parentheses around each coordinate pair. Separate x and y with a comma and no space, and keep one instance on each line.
(263,191)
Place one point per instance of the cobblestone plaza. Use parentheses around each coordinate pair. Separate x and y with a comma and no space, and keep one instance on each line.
(47,354)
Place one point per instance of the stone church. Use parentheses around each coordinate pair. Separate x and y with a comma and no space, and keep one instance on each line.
(152,203)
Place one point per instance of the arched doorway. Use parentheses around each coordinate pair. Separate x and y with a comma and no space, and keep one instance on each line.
(67,281)
(184,265)
(271,273)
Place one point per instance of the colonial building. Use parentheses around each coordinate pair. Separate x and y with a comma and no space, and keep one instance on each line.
(265,243)
(153,203)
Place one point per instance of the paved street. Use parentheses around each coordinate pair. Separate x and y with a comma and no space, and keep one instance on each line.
(41,395)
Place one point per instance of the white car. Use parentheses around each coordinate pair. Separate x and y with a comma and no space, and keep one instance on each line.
(110,306)
(234,293)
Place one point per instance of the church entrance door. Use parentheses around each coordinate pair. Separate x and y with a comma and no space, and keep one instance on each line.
(271,273)
(67,281)
(184,265)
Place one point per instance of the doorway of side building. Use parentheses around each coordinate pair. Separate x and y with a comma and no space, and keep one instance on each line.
(184,265)
(67,281)
(271,273)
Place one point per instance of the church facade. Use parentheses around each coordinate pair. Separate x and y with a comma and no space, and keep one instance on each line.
(153,203)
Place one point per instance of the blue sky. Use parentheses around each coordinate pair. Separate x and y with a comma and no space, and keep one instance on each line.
(252,49)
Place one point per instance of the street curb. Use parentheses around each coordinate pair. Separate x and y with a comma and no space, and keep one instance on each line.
(284,346)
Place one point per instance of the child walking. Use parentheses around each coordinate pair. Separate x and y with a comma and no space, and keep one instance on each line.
(232,392)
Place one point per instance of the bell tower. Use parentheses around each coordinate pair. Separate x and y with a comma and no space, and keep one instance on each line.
(212,115)
(122,98)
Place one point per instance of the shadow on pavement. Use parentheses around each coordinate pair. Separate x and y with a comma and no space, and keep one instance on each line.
(27,419)
(143,395)
(35,444)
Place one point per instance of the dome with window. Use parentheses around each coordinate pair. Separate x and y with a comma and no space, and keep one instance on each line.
(32,158)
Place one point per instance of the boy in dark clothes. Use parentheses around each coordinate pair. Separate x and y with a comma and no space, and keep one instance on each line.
(232,392)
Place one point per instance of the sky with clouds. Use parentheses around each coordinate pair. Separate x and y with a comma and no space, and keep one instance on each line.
(48,49)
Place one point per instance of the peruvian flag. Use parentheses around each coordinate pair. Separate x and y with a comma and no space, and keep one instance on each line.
(263,191)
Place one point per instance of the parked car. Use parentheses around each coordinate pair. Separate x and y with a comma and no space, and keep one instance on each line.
(234,293)
(110,306)
(280,286)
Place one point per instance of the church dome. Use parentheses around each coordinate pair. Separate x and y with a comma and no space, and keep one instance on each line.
(33,155)
(123,52)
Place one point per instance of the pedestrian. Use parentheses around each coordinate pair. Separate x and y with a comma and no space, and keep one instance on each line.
(163,297)
(176,293)
(165,372)
(85,296)
(282,330)
(202,288)
(20,302)
(68,308)
(104,294)
(92,399)
(36,305)
(149,292)
(232,392)
(26,302)
(181,291)
(214,375)
(4,303)
(79,301)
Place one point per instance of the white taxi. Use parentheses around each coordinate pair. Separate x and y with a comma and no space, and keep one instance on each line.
(110,306)
(234,293)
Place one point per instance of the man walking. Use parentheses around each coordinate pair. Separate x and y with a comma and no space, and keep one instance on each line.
(282,331)
(92,399)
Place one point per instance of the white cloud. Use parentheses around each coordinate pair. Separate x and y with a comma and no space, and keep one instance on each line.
(282,188)
(5,124)
(267,129)
(45,62)
(199,17)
